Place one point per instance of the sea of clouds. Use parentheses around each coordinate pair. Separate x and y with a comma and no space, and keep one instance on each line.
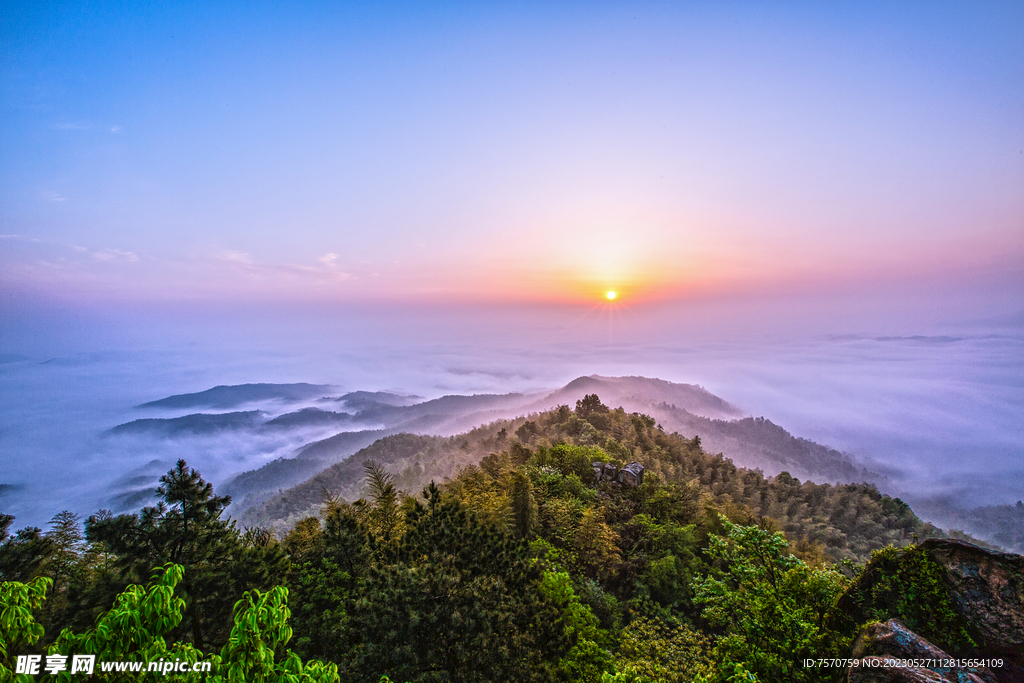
(934,406)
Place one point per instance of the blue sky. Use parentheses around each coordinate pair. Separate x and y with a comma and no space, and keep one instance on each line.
(328,151)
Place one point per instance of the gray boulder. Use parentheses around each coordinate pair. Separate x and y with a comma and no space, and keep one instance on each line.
(605,471)
(986,589)
(632,474)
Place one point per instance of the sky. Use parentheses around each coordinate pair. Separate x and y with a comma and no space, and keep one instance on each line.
(815,210)
(510,154)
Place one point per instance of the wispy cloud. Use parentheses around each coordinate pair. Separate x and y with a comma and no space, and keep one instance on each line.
(105,270)
(328,272)
(52,196)
(114,255)
(22,238)
(236,257)
(69,258)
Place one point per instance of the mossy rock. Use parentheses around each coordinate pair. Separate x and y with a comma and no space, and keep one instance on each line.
(905,584)
(959,596)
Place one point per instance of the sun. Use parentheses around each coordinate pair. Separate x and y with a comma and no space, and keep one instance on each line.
(610,295)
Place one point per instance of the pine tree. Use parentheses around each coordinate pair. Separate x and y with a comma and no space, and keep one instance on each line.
(22,555)
(328,565)
(186,528)
(524,505)
(458,601)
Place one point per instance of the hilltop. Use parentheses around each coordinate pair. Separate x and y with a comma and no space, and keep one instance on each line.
(842,521)
(689,409)
(326,428)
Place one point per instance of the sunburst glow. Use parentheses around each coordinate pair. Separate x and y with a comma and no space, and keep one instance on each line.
(610,295)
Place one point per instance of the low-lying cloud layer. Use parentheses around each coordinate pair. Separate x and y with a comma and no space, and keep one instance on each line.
(936,410)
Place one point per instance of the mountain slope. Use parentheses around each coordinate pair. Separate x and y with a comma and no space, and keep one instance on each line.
(686,408)
(722,427)
(645,391)
(843,522)
(198,423)
(223,397)
(256,486)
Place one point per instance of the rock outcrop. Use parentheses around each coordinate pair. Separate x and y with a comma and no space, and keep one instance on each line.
(882,647)
(630,475)
(986,590)
(605,471)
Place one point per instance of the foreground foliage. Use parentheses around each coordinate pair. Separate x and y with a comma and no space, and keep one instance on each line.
(136,630)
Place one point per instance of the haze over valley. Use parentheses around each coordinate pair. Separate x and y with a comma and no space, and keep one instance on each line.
(931,417)
(504,342)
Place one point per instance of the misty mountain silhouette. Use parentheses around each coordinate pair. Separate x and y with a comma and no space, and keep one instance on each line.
(616,391)
(310,417)
(198,423)
(233,396)
(367,416)
(359,400)
(361,419)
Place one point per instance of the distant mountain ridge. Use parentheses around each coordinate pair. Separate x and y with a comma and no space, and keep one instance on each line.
(844,521)
(223,397)
(642,390)
(357,400)
(758,443)
(256,486)
(198,423)
(686,408)
(360,418)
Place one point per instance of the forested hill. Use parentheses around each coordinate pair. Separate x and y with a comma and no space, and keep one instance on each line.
(686,408)
(837,522)
(758,442)
(531,562)
(309,427)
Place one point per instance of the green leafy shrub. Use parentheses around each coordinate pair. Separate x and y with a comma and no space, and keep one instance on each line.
(769,606)
(663,652)
(135,630)
(18,627)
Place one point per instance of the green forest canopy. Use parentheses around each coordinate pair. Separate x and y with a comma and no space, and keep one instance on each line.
(521,566)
